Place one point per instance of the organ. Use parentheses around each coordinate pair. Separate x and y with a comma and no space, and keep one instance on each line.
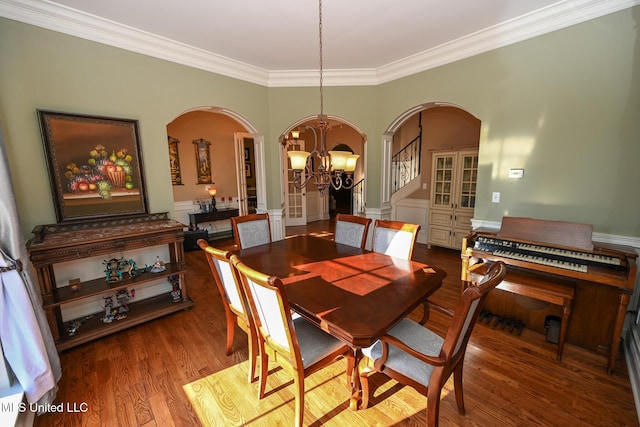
(543,256)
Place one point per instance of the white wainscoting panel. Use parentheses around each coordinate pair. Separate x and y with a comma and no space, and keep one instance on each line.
(414,211)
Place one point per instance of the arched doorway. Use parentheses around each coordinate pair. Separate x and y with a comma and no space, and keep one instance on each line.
(341,200)
(226,135)
(449,136)
(307,204)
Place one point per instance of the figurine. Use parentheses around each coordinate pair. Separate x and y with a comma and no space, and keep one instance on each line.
(158,266)
(115,269)
(176,292)
(122,298)
(108,309)
(75,325)
(134,270)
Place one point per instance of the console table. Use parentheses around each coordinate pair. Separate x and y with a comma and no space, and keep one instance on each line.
(217,215)
(59,243)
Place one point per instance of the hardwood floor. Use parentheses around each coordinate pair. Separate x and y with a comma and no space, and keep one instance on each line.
(174,371)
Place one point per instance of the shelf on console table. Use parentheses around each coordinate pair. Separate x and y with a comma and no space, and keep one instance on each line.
(196,218)
(58,243)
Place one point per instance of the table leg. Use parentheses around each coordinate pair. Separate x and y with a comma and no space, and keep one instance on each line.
(356,389)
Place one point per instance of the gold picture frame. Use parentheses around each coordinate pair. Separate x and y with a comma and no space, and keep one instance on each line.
(203,161)
(174,161)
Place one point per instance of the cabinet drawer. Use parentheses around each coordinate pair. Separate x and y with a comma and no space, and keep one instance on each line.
(462,221)
(439,236)
(437,217)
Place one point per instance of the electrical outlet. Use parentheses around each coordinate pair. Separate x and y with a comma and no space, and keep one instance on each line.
(424,185)
(495,197)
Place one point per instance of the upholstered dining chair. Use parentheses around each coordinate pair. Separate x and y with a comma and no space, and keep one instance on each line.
(351,230)
(251,230)
(235,307)
(414,355)
(394,238)
(297,345)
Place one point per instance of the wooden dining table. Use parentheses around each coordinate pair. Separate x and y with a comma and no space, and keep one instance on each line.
(354,294)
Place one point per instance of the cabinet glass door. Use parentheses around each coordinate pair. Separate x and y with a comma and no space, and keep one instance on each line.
(469,176)
(443,177)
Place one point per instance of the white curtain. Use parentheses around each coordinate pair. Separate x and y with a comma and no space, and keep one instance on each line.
(24,332)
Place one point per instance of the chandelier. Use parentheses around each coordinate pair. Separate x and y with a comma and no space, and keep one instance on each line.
(335,168)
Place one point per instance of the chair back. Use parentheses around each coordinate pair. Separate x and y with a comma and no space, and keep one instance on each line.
(271,312)
(467,311)
(233,298)
(351,230)
(251,230)
(220,265)
(394,238)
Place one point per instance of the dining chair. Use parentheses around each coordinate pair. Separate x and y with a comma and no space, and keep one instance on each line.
(414,355)
(394,238)
(351,230)
(299,346)
(251,230)
(235,307)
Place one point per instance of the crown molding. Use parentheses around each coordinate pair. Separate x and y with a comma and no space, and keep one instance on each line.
(72,22)
(543,21)
(303,78)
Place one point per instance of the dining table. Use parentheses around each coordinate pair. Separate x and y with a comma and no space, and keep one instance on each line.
(353,294)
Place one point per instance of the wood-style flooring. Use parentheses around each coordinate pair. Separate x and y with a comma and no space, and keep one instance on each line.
(173,371)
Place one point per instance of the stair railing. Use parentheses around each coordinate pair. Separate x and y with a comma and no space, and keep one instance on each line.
(405,164)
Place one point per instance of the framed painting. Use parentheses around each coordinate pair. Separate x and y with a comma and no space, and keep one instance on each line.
(95,165)
(203,161)
(248,172)
(174,161)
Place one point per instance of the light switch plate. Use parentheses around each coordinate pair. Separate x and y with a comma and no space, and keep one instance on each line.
(516,173)
(495,197)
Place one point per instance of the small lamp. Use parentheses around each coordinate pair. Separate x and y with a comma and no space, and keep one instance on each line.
(212,192)
(298,159)
(352,161)
(339,160)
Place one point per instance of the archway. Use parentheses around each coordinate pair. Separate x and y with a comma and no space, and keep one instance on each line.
(224,133)
(446,132)
(315,206)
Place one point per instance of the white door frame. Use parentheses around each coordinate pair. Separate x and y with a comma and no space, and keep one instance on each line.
(300,194)
(238,145)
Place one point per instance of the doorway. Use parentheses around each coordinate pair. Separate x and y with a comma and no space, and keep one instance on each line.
(307,204)
(341,200)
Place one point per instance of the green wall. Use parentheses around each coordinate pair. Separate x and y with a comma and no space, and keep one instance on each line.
(48,70)
(563,106)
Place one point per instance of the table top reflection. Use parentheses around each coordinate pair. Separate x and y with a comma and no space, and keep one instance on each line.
(354,294)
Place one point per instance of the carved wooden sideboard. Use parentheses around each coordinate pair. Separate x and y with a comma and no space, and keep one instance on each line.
(58,243)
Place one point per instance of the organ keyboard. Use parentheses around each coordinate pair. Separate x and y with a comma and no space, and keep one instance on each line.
(548,249)
(545,255)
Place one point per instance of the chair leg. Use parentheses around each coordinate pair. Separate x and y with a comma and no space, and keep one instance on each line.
(264,371)
(299,396)
(253,357)
(457,388)
(433,406)
(231,324)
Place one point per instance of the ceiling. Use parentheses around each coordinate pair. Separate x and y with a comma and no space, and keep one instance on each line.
(275,42)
